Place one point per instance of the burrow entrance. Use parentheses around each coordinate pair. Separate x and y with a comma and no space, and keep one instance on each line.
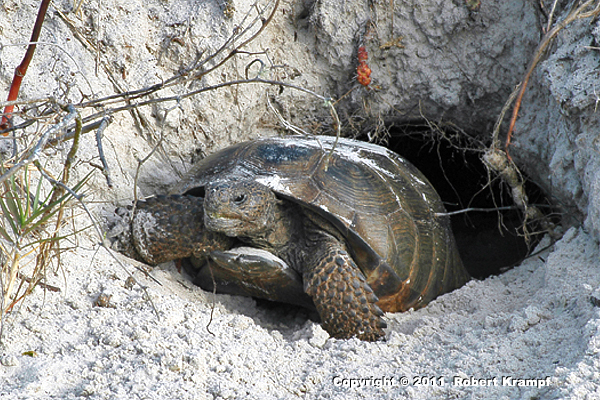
(489,242)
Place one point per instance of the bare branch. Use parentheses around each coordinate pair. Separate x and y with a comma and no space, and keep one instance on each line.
(41,144)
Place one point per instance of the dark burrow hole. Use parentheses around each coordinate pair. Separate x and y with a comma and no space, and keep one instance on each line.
(489,242)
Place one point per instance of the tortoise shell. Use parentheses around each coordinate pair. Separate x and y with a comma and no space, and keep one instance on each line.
(385,208)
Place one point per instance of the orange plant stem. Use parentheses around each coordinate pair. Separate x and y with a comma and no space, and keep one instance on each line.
(21,70)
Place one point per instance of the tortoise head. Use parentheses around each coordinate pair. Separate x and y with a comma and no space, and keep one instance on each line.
(239,208)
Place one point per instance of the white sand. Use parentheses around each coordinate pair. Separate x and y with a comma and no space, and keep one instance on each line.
(533,322)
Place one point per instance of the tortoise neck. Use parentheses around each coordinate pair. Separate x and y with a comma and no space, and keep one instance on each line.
(283,231)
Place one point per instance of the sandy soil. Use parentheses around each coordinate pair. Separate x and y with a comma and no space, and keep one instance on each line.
(530,333)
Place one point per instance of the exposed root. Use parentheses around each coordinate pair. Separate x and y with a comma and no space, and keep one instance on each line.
(498,160)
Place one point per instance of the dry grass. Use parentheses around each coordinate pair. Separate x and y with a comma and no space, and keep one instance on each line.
(32,215)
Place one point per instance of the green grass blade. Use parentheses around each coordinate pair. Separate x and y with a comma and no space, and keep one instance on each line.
(6,209)
(48,210)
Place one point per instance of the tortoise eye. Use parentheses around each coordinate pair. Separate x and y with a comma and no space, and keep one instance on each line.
(239,198)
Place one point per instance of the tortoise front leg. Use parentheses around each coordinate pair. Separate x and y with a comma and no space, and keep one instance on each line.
(344,299)
(252,272)
(166,228)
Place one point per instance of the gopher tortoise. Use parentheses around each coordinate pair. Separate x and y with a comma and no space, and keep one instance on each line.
(348,227)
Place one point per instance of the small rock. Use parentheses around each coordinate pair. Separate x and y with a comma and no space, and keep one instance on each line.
(319,337)
(129,283)
(9,361)
(103,300)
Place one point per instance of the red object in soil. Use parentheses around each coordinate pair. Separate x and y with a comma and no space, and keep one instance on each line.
(363,70)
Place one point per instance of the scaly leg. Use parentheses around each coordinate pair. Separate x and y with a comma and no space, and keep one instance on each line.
(166,228)
(341,293)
